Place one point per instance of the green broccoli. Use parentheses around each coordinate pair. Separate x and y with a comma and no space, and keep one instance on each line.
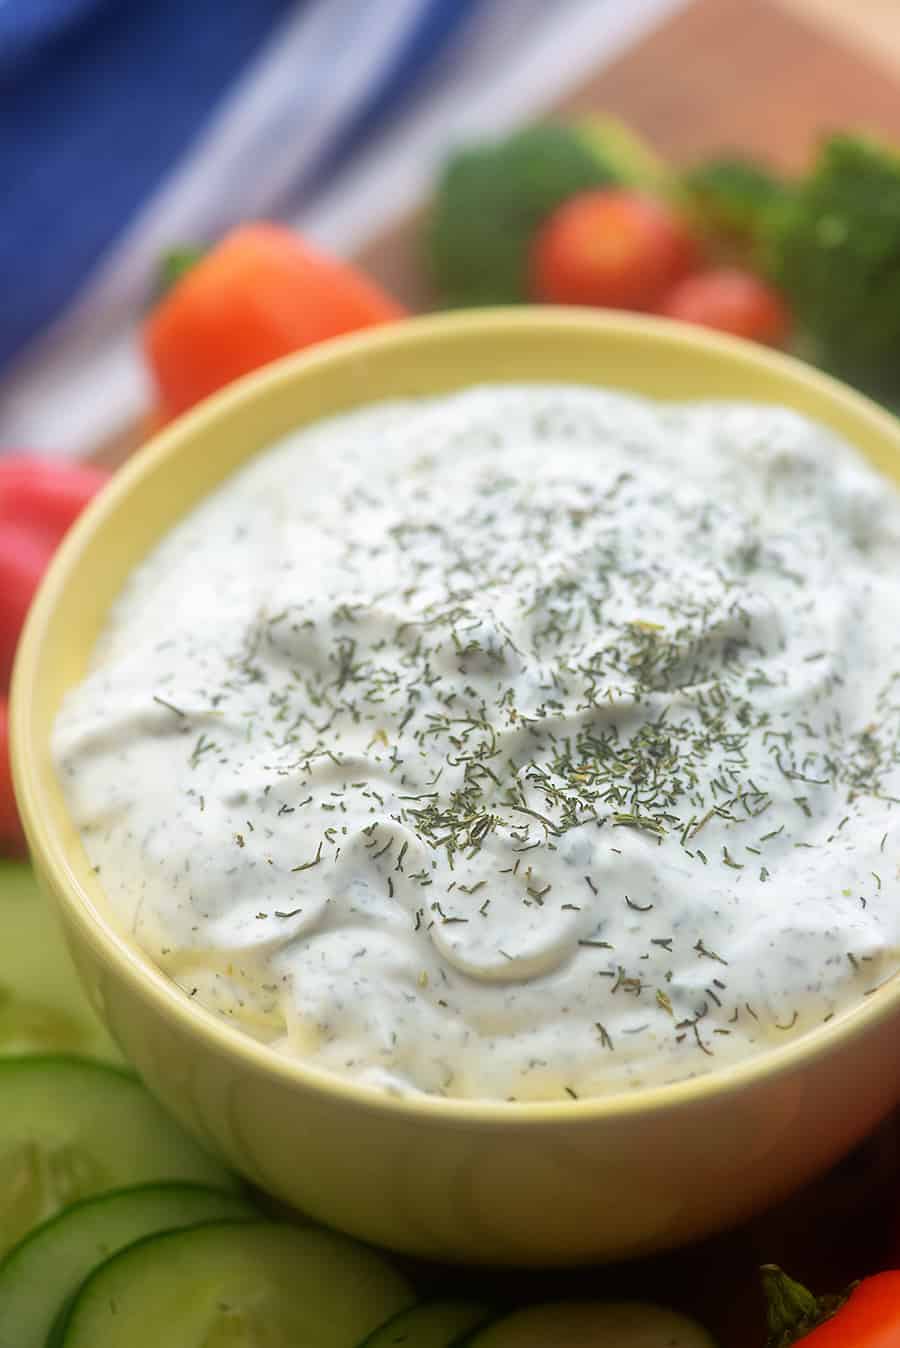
(492,198)
(837,254)
(734,201)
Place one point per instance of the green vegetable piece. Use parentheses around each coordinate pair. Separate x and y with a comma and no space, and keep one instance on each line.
(626,154)
(492,198)
(735,201)
(70,1128)
(42,1006)
(792,1312)
(433,1324)
(39,1276)
(837,258)
(593,1324)
(245,1283)
(174,264)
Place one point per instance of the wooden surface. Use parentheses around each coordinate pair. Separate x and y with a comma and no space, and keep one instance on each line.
(870,26)
(759,76)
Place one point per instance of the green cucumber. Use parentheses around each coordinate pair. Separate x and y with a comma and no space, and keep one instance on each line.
(241,1283)
(433,1324)
(45,1269)
(42,1006)
(593,1324)
(70,1127)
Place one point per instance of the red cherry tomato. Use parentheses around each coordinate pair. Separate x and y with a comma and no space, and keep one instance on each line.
(870,1318)
(610,247)
(730,300)
(44,495)
(261,293)
(24,554)
(12,839)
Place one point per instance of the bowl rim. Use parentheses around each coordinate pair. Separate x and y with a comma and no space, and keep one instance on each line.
(147,982)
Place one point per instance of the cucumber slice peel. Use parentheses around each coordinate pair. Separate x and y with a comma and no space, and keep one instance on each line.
(44,1270)
(71,1127)
(245,1283)
(42,1006)
(432,1324)
(593,1324)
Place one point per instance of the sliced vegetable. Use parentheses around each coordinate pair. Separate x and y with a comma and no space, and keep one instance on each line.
(42,1006)
(491,199)
(236,1283)
(868,1316)
(44,495)
(70,1128)
(24,554)
(593,1324)
(433,1324)
(12,839)
(613,248)
(260,294)
(45,1269)
(730,300)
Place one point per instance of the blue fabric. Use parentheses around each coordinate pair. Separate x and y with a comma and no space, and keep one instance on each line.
(98,99)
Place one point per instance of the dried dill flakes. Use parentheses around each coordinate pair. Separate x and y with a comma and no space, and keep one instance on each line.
(702,950)
(519,695)
(307,865)
(605,1037)
(638,907)
(169,706)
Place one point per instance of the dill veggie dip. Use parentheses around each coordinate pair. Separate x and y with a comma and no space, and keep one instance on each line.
(526,743)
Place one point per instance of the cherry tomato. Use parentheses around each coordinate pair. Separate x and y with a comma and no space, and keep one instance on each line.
(12,840)
(261,293)
(730,300)
(610,247)
(24,554)
(866,1317)
(44,495)
(869,1318)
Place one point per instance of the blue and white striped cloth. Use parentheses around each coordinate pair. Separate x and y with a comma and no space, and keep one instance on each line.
(131,126)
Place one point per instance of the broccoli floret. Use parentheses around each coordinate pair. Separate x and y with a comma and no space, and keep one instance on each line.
(491,199)
(837,248)
(734,201)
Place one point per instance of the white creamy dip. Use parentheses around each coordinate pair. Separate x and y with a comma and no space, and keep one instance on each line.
(527,742)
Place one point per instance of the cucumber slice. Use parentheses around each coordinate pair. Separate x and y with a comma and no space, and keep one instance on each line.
(49,1265)
(246,1283)
(593,1324)
(433,1324)
(70,1127)
(42,1006)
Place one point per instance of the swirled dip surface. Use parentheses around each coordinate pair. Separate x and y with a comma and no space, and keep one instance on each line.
(531,741)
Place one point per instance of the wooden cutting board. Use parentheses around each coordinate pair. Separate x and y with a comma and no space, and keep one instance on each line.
(752,75)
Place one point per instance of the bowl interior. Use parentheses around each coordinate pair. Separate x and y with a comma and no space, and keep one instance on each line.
(417,357)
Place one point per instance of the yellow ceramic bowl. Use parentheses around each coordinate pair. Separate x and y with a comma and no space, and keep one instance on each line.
(451,1179)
